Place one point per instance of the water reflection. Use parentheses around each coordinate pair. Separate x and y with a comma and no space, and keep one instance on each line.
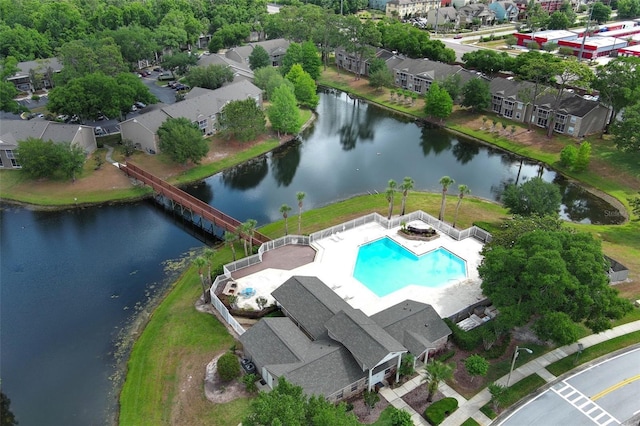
(247,175)
(285,161)
(434,142)
(358,127)
(464,151)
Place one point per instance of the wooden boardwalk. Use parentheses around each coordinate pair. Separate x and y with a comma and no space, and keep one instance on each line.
(189,202)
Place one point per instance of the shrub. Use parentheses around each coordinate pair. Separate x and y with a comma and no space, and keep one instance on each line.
(465,340)
(446,356)
(568,156)
(438,411)
(35,98)
(498,349)
(582,158)
(401,418)
(406,366)
(249,381)
(228,367)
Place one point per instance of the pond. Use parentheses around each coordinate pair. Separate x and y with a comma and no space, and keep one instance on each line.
(73,281)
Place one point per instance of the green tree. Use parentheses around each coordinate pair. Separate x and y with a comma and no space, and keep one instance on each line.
(405,187)
(567,72)
(436,372)
(210,77)
(72,158)
(95,94)
(558,21)
(382,77)
(407,365)
(300,197)
(552,271)
(600,12)
(499,395)
(557,327)
(38,159)
(446,182)
(322,412)
(488,61)
(371,398)
(310,59)
(635,205)
(135,42)
(618,83)
(182,140)
(476,94)
(304,87)
(462,191)
(438,102)
(360,38)
(537,17)
(250,227)
(400,418)
(284,210)
(243,120)
(228,366)
(262,75)
(259,58)
(179,63)
(284,405)
(283,111)
(200,262)
(533,197)
(628,9)
(452,85)
(583,157)
(230,239)
(626,133)
(390,194)
(476,366)
(83,57)
(568,156)
(292,56)
(510,230)
(7,417)
(249,381)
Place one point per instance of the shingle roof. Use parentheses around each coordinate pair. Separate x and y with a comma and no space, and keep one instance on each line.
(364,338)
(202,103)
(426,68)
(414,324)
(18,130)
(310,302)
(278,339)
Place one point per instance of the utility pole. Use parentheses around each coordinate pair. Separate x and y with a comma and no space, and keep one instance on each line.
(584,36)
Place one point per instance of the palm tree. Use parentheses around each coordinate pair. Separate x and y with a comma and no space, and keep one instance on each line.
(250,227)
(405,187)
(462,191)
(390,194)
(445,181)
(285,209)
(200,262)
(300,196)
(231,238)
(435,372)
(242,230)
(208,256)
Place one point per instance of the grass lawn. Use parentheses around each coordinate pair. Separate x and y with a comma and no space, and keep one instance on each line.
(518,391)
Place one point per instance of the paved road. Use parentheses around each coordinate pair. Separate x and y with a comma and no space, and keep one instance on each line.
(604,394)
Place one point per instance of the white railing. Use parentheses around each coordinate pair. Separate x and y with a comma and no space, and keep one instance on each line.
(222,309)
(229,268)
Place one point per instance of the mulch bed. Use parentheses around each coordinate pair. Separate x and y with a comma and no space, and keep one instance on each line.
(364,414)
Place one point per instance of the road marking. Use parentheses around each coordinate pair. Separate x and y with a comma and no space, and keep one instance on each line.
(615,387)
(596,414)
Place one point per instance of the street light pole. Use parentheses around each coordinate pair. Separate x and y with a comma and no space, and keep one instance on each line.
(580,349)
(513,362)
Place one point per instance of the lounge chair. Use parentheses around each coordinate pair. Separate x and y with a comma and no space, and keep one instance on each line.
(247,292)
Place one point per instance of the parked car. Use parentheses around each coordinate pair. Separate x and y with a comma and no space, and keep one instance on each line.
(157,69)
(99,131)
(145,73)
(140,105)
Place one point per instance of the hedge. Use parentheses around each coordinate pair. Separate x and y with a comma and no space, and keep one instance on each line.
(439,410)
(465,340)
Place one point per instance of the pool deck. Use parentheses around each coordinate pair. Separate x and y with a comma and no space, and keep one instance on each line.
(334,262)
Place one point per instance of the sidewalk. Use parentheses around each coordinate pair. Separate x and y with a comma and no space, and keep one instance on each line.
(471,407)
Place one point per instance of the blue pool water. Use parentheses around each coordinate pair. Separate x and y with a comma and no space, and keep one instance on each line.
(384,266)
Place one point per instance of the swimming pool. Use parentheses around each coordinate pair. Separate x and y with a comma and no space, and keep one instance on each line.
(384,266)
